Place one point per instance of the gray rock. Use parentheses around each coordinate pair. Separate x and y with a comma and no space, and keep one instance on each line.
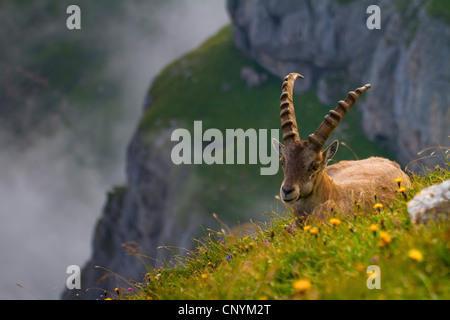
(431,203)
(252,78)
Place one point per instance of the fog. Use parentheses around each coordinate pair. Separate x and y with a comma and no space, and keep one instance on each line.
(49,203)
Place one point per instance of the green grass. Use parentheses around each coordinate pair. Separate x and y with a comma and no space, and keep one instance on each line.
(268,264)
(206,85)
(439,9)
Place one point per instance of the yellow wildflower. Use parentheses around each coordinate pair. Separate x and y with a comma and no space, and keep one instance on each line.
(335,222)
(306,228)
(108,299)
(415,254)
(204,276)
(360,267)
(378,206)
(373,228)
(302,285)
(314,230)
(398,180)
(401,190)
(385,238)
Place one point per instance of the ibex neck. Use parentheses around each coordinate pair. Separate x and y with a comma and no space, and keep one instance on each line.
(325,187)
(325,190)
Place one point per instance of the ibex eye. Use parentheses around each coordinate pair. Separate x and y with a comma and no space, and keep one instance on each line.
(316,166)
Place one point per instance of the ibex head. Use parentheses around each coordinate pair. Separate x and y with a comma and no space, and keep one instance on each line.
(303,162)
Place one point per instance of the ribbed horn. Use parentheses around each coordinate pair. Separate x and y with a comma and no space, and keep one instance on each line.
(287,113)
(331,121)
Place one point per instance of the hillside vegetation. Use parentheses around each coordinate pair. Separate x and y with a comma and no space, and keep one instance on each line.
(323,260)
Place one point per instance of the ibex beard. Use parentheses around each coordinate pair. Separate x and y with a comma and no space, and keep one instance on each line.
(314,189)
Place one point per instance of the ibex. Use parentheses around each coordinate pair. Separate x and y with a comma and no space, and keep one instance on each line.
(314,189)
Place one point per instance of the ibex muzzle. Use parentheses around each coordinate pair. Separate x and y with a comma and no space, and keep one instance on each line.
(309,185)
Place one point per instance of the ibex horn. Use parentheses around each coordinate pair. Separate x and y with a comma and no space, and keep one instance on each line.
(322,134)
(287,113)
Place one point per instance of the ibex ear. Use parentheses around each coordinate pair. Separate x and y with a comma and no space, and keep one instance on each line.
(330,151)
(279,147)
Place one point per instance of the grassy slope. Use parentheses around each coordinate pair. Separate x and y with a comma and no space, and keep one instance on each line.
(206,85)
(334,262)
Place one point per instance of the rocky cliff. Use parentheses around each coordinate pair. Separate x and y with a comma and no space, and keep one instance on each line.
(406,61)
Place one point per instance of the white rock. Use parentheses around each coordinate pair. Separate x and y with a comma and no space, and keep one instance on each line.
(431,203)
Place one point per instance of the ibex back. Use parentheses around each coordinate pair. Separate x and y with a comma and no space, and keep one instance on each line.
(314,189)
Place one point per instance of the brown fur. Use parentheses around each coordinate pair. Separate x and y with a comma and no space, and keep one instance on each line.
(348,184)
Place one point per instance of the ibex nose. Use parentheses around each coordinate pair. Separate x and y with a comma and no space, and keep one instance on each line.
(287,191)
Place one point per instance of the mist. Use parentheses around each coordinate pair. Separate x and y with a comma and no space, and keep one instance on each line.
(49,200)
